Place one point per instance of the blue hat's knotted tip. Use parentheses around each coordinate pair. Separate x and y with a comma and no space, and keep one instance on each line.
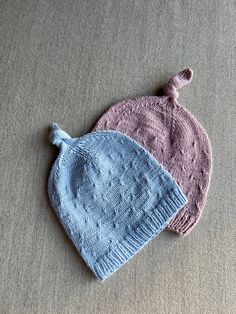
(56,135)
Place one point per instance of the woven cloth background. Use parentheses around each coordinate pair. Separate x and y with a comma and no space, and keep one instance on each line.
(67,61)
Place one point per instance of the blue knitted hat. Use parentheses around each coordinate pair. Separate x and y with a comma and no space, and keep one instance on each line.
(111,196)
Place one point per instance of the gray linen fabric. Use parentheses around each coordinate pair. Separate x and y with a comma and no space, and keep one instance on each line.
(67,61)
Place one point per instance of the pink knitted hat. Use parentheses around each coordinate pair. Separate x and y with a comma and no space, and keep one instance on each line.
(174,137)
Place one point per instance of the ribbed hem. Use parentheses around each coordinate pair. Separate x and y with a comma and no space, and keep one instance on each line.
(183,223)
(150,226)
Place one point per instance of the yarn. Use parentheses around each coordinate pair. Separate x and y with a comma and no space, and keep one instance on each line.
(174,137)
(111,196)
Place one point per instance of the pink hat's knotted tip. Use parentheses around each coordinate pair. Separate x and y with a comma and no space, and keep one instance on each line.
(176,82)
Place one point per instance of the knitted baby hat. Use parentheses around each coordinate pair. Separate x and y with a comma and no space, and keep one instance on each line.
(111,196)
(174,137)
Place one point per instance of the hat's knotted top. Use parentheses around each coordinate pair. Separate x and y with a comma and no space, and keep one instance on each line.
(179,80)
(57,136)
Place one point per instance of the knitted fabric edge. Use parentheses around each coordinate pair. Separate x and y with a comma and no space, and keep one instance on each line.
(150,226)
(184,222)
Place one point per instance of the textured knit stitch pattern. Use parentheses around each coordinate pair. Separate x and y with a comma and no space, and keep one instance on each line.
(111,196)
(176,139)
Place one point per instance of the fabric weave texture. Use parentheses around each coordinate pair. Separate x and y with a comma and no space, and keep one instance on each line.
(174,137)
(111,196)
